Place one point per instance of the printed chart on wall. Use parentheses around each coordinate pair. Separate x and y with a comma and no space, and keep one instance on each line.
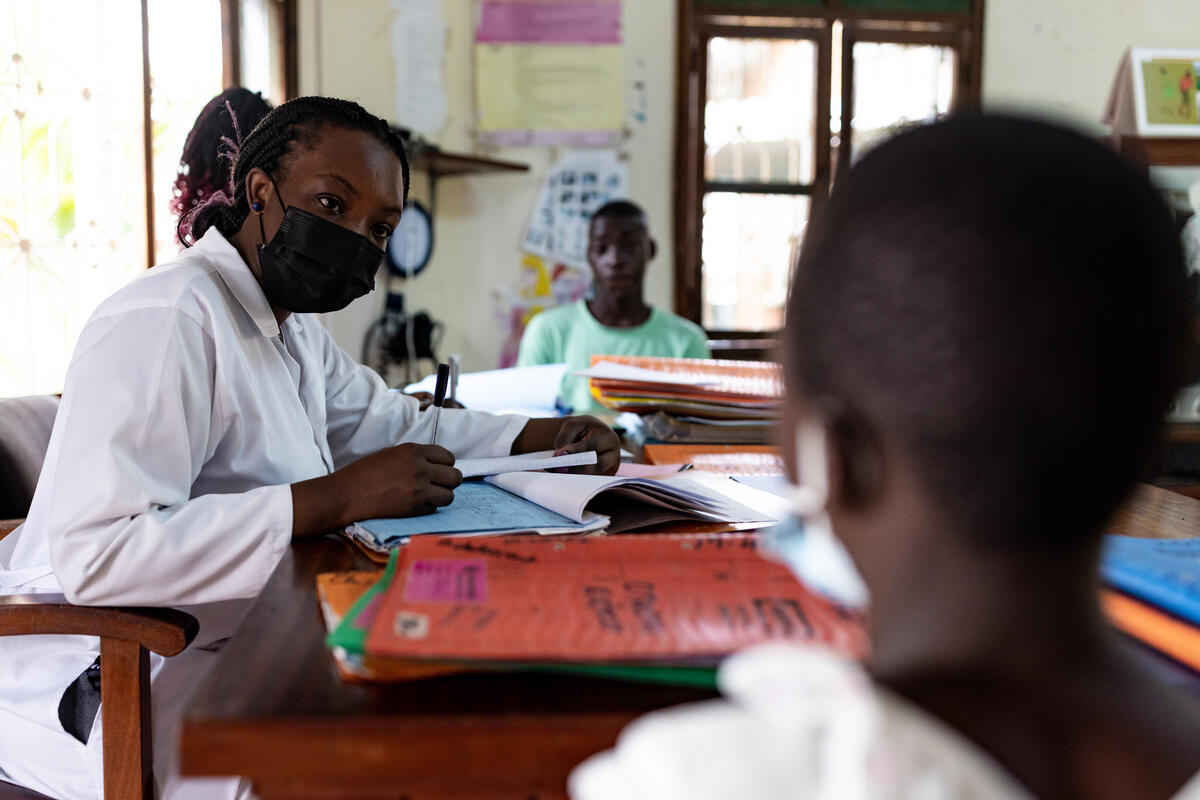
(418,35)
(549,72)
(579,182)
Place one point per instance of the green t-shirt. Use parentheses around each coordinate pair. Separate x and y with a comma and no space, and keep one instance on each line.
(570,334)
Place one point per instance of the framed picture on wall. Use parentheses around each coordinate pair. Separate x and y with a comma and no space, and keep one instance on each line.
(1164,91)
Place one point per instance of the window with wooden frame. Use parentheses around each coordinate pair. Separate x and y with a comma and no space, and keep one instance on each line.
(773,98)
(95,105)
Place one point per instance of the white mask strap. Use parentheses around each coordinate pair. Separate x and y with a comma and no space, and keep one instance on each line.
(808,545)
(812,467)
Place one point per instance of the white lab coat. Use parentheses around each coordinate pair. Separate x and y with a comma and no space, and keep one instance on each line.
(186,414)
(797,723)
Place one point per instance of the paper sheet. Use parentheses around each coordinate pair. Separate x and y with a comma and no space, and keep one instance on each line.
(760,498)
(549,87)
(526,22)
(568,495)
(549,73)
(611,370)
(474,467)
(579,183)
(418,36)
(526,390)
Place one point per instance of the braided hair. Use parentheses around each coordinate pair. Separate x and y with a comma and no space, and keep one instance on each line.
(295,124)
(208,153)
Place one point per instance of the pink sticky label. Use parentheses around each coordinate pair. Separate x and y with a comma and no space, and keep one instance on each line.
(447,580)
(536,22)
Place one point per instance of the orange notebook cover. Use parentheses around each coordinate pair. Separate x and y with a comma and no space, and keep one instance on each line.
(617,599)
(336,593)
(728,459)
(752,383)
(1163,632)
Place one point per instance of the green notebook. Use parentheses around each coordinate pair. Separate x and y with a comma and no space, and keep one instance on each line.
(351,632)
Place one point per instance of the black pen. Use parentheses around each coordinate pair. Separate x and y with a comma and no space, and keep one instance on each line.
(439,397)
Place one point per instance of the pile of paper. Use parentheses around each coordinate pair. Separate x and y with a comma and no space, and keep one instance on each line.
(689,399)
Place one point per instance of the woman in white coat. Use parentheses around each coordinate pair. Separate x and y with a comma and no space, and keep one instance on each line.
(208,420)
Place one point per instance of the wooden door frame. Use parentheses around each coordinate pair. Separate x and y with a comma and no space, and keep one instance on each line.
(963,31)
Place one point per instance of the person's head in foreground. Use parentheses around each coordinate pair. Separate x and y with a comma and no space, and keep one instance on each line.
(318,187)
(207,159)
(987,325)
(619,248)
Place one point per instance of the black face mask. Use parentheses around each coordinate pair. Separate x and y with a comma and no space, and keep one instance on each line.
(314,265)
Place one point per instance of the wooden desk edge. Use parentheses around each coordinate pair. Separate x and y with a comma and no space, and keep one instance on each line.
(513,750)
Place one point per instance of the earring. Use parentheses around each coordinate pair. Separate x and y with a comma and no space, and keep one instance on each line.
(256,206)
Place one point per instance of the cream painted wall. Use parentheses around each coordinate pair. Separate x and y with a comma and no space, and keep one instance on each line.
(1058,57)
(345,52)
(1055,57)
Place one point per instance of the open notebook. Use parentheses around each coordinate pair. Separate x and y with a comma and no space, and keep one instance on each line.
(479,509)
(555,503)
(638,503)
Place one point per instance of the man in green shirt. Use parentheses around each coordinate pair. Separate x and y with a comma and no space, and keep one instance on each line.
(616,319)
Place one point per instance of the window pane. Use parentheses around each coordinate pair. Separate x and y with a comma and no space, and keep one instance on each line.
(896,85)
(183,79)
(748,245)
(262,61)
(758,115)
(72,202)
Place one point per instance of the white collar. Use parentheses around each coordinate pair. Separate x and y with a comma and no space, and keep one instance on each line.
(240,280)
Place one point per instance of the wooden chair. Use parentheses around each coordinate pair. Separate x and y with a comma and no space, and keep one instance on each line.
(127,635)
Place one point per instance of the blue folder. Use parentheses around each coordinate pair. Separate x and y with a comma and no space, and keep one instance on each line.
(1162,572)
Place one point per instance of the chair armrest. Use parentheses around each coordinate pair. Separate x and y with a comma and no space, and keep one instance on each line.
(7,526)
(165,631)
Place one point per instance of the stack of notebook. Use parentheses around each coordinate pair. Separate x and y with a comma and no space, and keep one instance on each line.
(692,400)
(724,459)
(658,608)
(1153,593)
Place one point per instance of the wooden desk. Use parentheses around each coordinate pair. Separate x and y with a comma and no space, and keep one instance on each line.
(275,711)
(1157,513)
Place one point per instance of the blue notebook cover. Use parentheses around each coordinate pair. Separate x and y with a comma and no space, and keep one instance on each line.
(478,507)
(1162,572)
